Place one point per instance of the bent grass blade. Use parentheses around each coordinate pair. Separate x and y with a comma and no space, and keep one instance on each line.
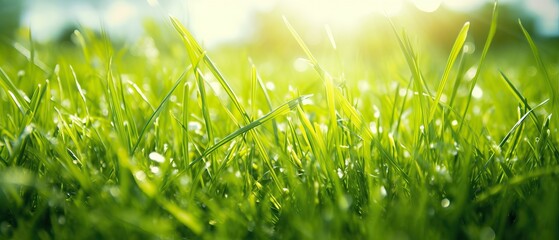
(281,110)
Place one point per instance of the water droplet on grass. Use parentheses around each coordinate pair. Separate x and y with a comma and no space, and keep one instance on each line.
(154,156)
(363,86)
(487,233)
(469,47)
(301,64)
(445,203)
(61,220)
(194,126)
(376,112)
(140,175)
(114,191)
(383,192)
(477,93)
(454,123)
(270,86)
(471,73)
(155,170)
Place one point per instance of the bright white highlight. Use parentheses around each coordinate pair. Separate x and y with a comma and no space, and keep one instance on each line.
(477,93)
(427,5)
(548,11)
(463,5)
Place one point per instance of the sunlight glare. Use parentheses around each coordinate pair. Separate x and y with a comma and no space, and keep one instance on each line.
(463,5)
(427,5)
(390,8)
(120,12)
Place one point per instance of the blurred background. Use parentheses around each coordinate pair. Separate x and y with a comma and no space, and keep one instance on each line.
(215,22)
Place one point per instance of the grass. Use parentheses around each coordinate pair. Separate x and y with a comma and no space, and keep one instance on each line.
(100,140)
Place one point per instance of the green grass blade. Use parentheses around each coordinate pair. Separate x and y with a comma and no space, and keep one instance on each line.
(456,49)
(488,41)
(301,43)
(520,98)
(196,52)
(80,90)
(509,134)
(157,111)
(281,110)
(270,107)
(8,86)
(36,99)
(411,59)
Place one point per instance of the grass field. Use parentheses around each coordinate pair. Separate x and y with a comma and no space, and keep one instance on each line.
(161,139)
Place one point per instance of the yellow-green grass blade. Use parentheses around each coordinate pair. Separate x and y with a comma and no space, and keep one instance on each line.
(411,59)
(518,95)
(509,134)
(301,43)
(281,110)
(527,106)
(456,49)
(149,189)
(16,95)
(80,90)
(488,41)
(270,107)
(326,78)
(195,52)
(157,111)
(36,99)
(515,181)
(204,104)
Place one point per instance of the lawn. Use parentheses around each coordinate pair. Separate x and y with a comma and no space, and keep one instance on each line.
(161,138)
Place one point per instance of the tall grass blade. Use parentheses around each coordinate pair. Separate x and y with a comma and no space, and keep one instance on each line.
(8,86)
(196,52)
(456,49)
(488,41)
(270,107)
(157,111)
(281,110)
(510,132)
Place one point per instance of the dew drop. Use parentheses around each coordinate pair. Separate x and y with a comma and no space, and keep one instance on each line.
(340,173)
(61,220)
(454,123)
(301,64)
(114,191)
(154,156)
(140,175)
(487,233)
(155,170)
(270,86)
(445,203)
(383,192)
(477,93)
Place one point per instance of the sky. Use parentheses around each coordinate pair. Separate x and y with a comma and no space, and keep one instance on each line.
(217,21)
